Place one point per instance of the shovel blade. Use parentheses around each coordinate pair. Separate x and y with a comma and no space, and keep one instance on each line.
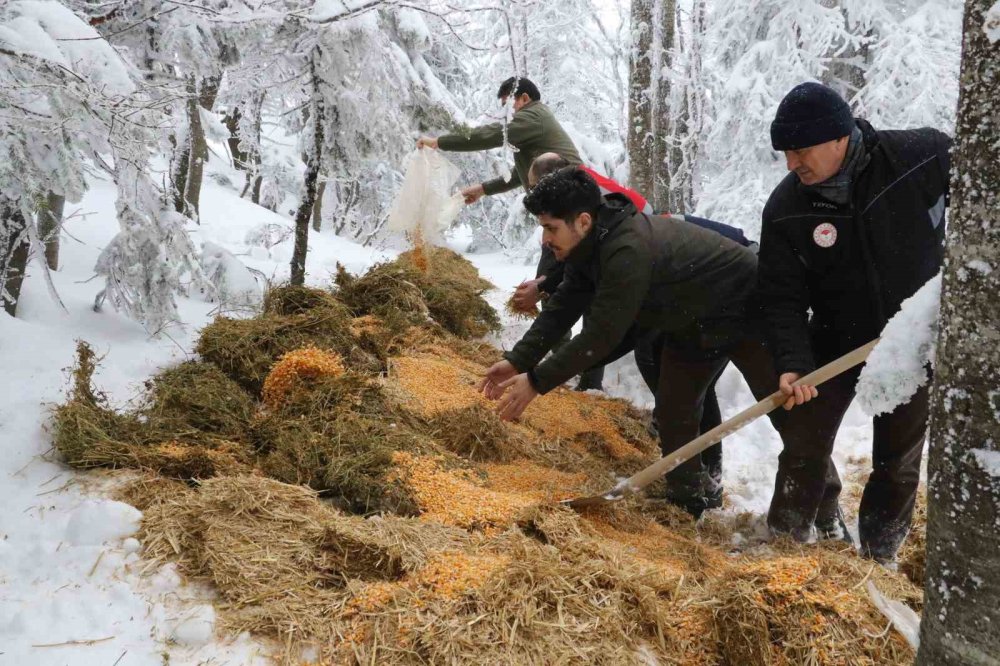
(594,500)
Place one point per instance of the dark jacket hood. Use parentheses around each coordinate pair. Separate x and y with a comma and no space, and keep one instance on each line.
(615,209)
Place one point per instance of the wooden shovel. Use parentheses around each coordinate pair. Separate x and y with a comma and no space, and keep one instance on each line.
(641,479)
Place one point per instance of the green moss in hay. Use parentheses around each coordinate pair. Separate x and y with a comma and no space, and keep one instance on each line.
(347,459)
(338,438)
(85,430)
(198,397)
(289,299)
(400,291)
(245,349)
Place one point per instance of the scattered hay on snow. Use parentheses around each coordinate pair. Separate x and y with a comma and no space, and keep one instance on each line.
(456,551)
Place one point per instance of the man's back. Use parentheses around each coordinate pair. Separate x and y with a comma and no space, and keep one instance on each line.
(532,131)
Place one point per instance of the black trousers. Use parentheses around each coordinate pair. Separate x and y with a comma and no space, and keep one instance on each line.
(685,379)
(807,486)
(592,378)
(648,351)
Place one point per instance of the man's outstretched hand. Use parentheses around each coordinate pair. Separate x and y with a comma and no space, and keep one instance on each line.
(527,295)
(473,193)
(513,389)
(797,395)
(519,395)
(427,142)
(496,375)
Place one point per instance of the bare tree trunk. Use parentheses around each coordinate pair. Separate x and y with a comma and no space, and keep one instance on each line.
(317,215)
(232,122)
(663,44)
(179,169)
(14,246)
(639,102)
(686,121)
(313,162)
(961,618)
(50,214)
(202,94)
(846,73)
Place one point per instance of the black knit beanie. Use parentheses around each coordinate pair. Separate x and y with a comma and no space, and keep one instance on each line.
(809,115)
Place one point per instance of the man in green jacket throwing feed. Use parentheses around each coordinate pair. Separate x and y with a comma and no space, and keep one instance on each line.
(639,275)
(532,131)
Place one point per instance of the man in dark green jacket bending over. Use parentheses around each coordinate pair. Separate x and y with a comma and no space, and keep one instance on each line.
(532,131)
(638,276)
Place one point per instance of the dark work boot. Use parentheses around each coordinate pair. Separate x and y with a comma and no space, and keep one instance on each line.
(833,527)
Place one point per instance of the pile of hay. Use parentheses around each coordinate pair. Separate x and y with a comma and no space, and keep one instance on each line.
(425,282)
(331,470)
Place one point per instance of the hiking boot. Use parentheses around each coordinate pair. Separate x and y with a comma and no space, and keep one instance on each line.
(713,497)
(834,528)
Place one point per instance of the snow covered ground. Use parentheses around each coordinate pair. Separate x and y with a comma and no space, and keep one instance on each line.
(72,587)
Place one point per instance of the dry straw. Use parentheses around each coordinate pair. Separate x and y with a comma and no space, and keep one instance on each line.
(373,507)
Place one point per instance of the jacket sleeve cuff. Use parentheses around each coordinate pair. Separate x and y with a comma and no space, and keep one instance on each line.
(515,361)
(499,186)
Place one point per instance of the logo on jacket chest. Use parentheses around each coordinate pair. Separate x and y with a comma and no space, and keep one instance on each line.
(825,235)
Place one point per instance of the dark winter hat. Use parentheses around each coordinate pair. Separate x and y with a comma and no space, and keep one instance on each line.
(809,115)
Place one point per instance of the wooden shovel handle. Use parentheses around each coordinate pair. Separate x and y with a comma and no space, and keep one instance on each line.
(643,478)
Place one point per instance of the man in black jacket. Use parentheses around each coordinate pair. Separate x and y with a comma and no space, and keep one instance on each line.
(855,229)
(637,275)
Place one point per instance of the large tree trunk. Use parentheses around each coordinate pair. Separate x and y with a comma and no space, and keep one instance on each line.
(313,163)
(961,619)
(50,214)
(14,246)
(202,95)
(640,131)
(663,41)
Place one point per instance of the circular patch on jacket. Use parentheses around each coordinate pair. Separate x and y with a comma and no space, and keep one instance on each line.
(825,235)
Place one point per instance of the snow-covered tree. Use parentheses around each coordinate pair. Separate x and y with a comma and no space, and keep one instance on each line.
(962,594)
(72,105)
(758,50)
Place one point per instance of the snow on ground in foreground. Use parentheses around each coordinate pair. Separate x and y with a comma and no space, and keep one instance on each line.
(69,570)
(73,588)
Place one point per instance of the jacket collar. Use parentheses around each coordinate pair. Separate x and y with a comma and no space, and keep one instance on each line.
(616,208)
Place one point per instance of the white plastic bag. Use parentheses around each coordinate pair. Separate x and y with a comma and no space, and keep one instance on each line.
(425,205)
(902,616)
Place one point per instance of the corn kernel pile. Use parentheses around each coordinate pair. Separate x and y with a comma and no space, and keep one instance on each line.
(534,482)
(291,369)
(450,574)
(441,383)
(437,384)
(454,498)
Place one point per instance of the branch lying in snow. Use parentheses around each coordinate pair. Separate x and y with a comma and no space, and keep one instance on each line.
(91,641)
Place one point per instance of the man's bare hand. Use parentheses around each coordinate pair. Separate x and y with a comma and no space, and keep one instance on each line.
(527,295)
(473,193)
(519,395)
(427,142)
(797,395)
(497,374)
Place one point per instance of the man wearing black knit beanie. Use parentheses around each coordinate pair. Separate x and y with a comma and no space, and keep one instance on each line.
(855,228)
